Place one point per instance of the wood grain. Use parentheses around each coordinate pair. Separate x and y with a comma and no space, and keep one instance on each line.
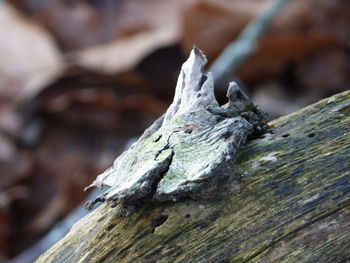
(292,204)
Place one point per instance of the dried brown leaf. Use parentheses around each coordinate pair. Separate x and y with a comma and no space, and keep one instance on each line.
(124,54)
(29,58)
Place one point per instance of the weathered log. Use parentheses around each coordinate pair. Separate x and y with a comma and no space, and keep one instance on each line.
(190,151)
(292,205)
(286,199)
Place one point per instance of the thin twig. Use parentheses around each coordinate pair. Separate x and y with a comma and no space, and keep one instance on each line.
(242,47)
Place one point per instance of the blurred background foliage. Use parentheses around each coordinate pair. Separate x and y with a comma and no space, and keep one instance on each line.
(79,79)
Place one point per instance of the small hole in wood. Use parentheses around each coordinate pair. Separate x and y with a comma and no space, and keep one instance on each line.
(285,135)
(188,216)
(158,138)
(109,227)
(189,128)
(311,135)
(159,221)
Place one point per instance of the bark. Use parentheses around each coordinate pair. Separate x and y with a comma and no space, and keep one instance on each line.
(292,204)
(190,151)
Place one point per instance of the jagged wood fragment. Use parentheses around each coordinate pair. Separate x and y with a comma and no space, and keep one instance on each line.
(292,205)
(190,150)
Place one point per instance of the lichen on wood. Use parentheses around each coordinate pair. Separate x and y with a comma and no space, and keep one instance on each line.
(292,205)
(189,151)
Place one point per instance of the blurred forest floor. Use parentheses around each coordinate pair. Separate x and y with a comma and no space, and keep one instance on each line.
(79,79)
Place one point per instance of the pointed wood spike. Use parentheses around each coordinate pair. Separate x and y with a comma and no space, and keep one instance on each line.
(190,151)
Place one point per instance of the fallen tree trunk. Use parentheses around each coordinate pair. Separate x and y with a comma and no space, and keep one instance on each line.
(292,204)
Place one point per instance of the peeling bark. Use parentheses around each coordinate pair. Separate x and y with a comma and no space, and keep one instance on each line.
(189,151)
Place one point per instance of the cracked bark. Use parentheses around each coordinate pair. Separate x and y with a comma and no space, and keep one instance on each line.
(189,151)
(292,204)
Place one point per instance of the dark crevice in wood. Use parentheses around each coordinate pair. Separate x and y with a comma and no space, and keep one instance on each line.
(158,222)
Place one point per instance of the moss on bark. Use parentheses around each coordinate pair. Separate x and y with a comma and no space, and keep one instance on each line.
(292,204)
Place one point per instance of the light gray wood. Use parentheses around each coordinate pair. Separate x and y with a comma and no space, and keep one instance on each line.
(190,151)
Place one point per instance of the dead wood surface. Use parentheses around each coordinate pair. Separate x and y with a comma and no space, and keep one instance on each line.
(292,204)
(191,151)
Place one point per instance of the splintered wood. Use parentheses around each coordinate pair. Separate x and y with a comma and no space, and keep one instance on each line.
(190,150)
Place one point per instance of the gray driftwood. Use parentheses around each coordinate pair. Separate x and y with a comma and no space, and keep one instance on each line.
(189,151)
(292,205)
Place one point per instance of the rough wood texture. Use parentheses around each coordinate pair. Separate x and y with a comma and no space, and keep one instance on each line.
(188,152)
(291,205)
